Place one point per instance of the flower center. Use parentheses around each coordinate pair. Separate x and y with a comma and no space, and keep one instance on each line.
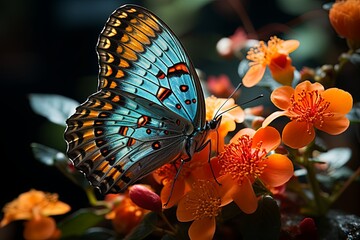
(262,54)
(203,201)
(241,160)
(309,107)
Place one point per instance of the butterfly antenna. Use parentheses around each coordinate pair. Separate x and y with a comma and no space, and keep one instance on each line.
(222,105)
(248,101)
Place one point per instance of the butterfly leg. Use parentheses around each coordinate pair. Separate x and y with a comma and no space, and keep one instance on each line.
(182,162)
(208,142)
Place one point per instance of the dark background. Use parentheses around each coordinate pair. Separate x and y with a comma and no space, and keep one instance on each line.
(49,47)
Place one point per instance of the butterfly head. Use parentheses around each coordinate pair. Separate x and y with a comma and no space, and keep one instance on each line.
(215,122)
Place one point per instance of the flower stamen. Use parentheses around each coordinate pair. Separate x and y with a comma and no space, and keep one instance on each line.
(242,160)
(203,201)
(309,107)
(262,54)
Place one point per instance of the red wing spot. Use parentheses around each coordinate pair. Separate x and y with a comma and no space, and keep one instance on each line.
(184,88)
(178,106)
(148,131)
(178,122)
(193,100)
(160,75)
(143,120)
(187,101)
(123,130)
(156,145)
(178,69)
(131,142)
(166,132)
(163,93)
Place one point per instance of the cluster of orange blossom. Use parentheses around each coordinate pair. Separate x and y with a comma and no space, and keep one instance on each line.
(204,186)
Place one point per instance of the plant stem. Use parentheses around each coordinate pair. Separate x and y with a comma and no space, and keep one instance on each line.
(315,187)
(172,228)
(91,196)
(353,177)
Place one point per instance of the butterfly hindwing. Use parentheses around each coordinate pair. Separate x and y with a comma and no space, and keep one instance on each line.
(149,101)
(112,138)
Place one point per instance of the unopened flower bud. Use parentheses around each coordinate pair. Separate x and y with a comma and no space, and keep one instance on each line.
(145,198)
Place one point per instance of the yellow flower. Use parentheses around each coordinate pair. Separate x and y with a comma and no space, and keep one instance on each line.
(275,55)
(344,16)
(228,121)
(36,207)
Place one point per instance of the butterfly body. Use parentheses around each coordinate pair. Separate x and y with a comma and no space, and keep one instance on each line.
(149,108)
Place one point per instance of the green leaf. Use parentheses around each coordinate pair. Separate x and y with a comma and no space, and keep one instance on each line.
(144,229)
(55,108)
(52,157)
(264,223)
(79,222)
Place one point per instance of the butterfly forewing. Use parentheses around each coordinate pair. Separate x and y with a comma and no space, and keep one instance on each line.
(139,54)
(149,100)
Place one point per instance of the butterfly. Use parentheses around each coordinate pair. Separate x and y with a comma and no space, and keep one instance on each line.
(149,107)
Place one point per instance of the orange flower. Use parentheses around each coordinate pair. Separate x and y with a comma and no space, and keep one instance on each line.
(35,206)
(202,205)
(309,106)
(275,55)
(42,228)
(197,168)
(125,214)
(228,121)
(344,16)
(246,159)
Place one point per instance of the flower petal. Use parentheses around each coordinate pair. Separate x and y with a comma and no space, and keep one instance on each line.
(177,192)
(290,45)
(279,169)
(334,125)
(224,189)
(296,134)
(340,100)
(272,117)
(182,213)
(308,86)
(244,196)
(254,75)
(269,137)
(280,97)
(245,131)
(281,69)
(202,229)
(39,228)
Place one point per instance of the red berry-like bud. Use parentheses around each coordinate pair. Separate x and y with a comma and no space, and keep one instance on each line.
(308,229)
(144,197)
